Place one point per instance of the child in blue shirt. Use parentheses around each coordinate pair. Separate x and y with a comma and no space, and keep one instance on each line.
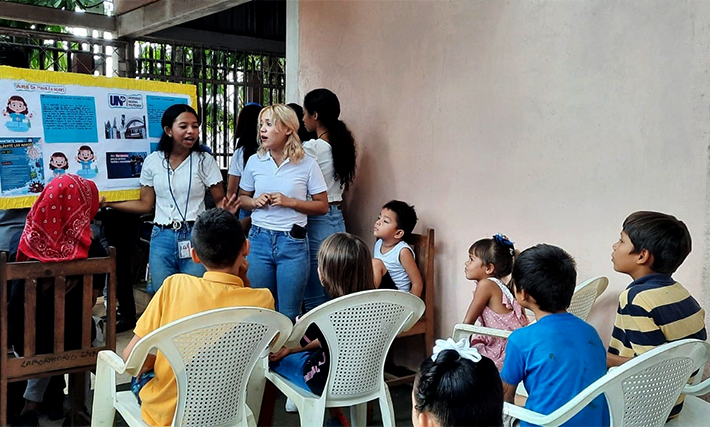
(560,355)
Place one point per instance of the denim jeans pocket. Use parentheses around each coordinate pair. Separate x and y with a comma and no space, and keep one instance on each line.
(253,231)
(296,239)
(155,231)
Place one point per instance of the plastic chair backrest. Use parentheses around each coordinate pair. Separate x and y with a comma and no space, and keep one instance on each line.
(585,294)
(642,391)
(359,329)
(212,355)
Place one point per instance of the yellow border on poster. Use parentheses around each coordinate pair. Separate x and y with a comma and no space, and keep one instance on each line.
(58,78)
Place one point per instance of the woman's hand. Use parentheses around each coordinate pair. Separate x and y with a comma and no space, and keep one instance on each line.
(261,201)
(278,199)
(103,203)
(285,351)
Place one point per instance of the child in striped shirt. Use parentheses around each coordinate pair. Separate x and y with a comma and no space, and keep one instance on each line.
(654,309)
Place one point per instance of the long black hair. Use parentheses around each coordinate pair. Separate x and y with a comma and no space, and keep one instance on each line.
(248,129)
(303,133)
(459,392)
(169,116)
(326,104)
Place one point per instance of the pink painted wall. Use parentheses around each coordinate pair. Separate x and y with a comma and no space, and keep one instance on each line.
(549,121)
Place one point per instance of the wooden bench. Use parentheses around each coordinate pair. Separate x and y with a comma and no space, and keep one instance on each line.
(76,362)
(424,251)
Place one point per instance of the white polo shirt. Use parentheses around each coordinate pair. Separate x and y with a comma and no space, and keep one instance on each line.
(236,166)
(323,153)
(295,180)
(156,173)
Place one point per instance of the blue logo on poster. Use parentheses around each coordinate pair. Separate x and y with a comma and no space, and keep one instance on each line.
(117,100)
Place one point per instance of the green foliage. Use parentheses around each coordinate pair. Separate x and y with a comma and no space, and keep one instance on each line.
(93,6)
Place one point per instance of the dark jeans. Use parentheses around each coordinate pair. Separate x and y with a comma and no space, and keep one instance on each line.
(121,232)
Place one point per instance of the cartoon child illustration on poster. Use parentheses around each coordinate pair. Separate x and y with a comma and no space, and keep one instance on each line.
(86,157)
(18,113)
(58,163)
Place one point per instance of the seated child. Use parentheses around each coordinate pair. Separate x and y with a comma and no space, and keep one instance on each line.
(344,267)
(393,262)
(457,387)
(493,305)
(218,242)
(560,355)
(654,309)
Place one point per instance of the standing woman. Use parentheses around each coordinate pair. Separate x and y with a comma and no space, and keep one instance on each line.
(334,150)
(247,144)
(174,180)
(274,186)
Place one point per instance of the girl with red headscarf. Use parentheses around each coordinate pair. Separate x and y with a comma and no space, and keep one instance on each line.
(57,229)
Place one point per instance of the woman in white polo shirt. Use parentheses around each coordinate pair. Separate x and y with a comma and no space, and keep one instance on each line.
(275,184)
(174,180)
(334,150)
(247,133)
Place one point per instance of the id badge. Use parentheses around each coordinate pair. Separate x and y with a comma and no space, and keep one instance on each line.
(184,249)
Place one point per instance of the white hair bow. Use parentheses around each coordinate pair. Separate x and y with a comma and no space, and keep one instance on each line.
(463,348)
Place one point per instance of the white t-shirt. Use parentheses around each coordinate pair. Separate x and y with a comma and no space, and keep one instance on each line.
(236,166)
(323,153)
(394,267)
(171,207)
(295,180)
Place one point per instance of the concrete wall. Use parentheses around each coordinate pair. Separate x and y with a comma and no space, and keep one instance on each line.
(547,120)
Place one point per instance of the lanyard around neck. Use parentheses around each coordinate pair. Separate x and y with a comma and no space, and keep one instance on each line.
(189,187)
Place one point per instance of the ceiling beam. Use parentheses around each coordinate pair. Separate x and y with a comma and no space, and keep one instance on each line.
(49,16)
(210,38)
(168,13)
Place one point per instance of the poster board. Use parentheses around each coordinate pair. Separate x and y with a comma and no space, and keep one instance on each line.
(100,128)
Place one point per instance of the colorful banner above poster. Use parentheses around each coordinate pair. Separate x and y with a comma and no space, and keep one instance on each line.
(97,127)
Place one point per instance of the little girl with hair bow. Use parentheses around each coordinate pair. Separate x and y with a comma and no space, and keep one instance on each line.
(494,304)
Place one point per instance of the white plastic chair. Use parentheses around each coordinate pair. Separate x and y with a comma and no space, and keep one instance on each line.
(585,294)
(359,329)
(696,411)
(212,355)
(641,392)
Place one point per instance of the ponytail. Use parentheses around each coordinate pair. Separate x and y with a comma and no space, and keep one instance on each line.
(327,105)
(344,152)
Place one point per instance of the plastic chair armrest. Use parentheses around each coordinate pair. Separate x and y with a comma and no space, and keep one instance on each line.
(698,389)
(461,330)
(113,360)
(299,329)
(531,416)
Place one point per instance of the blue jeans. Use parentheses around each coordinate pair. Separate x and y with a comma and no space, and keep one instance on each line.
(243,213)
(279,263)
(291,367)
(165,258)
(320,227)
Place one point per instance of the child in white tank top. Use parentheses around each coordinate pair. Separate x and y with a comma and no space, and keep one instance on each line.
(393,263)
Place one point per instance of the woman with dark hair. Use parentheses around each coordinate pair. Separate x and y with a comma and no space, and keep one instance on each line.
(247,142)
(457,387)
(174,180)
(334,150)
(303,133)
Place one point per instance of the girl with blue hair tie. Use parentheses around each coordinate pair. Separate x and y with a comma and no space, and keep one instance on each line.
(494,304)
